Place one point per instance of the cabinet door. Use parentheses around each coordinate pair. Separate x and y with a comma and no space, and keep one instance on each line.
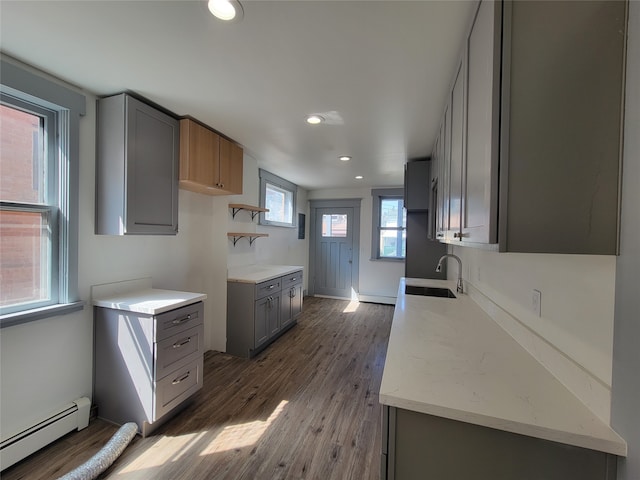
(261,318)
(296,301)
(453,209)
(199,156)
(480,189)
(230,171)
(274,314)
(151,192)
(416,183)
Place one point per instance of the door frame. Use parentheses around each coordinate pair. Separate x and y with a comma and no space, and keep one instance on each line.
(314,205)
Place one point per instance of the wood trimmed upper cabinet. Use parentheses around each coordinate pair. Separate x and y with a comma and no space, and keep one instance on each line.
(209,163)
(543,85)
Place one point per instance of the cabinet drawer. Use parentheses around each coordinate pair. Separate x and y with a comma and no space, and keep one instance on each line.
(177,387)
(268,288)
(178,320)
(178,350)
(292,279)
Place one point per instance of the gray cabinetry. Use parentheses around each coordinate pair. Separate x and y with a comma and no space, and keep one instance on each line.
(136,168)
(258,313)
(536,117)
(416,185)
(291,299)
(147,365)
(418,446)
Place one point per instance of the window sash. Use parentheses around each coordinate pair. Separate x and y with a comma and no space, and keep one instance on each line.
(23,89)
(380,250)
(49,248)
(288,190)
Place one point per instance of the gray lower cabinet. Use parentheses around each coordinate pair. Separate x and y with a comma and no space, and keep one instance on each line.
(259,313)
(146,366)
(136,168)
(419,446)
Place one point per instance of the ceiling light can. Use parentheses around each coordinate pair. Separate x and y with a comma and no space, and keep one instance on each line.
(226,10)
(314,119)
(344,158)
(359,177)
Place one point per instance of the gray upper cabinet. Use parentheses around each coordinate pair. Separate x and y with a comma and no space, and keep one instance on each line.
(416,185)
(535,129)
(480,181)
(136,168)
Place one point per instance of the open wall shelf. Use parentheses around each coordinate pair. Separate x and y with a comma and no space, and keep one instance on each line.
(236,207)
(251,236)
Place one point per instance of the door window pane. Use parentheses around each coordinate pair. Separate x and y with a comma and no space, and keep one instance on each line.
(334,225)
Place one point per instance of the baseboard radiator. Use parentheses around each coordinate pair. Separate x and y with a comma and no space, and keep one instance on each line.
(74,416)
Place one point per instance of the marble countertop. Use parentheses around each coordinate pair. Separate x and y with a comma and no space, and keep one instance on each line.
(447,357)
(260,273)
(150,301)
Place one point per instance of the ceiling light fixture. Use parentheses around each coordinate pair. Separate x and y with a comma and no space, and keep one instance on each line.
(226,10)
(314,119)
(359,177)
(345,158)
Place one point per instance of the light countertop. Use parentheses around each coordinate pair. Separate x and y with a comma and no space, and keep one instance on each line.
(260,273)
(447,357)
(150,301)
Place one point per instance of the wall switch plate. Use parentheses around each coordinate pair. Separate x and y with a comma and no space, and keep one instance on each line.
(536,302)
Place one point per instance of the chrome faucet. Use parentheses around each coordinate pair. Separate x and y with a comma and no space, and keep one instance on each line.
(459,288)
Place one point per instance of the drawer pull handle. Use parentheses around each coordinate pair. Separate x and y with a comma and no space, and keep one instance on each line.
(271,286)
(293,279)
(181,379)
(178,321)
(183,342)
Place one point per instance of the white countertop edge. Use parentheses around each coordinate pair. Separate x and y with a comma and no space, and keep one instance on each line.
(150,301)
(614,444)
(603,438)
(260,273)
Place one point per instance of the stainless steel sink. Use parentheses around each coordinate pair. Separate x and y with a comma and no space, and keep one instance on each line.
(428,291)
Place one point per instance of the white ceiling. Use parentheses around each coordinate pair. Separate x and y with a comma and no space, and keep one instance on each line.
(384,67)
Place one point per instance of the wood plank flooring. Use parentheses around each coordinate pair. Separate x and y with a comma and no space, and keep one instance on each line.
(305,408)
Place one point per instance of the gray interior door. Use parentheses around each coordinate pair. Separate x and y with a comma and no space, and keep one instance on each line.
(334,272)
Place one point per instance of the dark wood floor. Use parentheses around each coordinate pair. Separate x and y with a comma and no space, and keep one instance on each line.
(305,408)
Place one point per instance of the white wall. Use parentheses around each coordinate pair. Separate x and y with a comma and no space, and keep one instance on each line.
(48,363)
(282,246)
(378,279)
(573,337)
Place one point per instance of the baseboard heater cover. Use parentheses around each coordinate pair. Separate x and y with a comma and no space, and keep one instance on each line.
(74,416)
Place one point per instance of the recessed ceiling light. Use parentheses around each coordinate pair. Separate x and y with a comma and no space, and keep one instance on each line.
(359,177)
(226,10)
(344,158)
(314,119)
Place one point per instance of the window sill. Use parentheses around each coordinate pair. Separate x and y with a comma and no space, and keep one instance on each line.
(17,318)
(388,259)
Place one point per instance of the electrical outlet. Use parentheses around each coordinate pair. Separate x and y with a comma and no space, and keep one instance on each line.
(536,302)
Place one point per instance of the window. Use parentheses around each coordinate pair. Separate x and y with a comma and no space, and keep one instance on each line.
(279,196)
(334,225)
(389,224)
(38,196)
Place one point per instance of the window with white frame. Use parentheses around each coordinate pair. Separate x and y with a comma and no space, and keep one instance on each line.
(279,197)
(38,196)
(389,224)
